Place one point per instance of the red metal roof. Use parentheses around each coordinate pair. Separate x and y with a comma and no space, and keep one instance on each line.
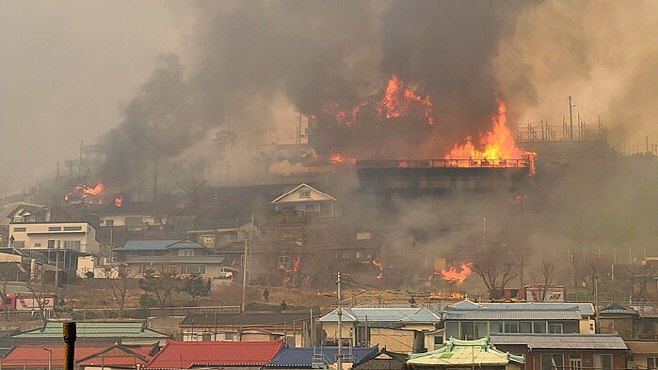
(184,355)
(38,356)
(119,356)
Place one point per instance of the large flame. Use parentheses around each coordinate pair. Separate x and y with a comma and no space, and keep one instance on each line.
(118,201)
(296,264)
(81,192)
(457,277)
(497,144)
(399,101)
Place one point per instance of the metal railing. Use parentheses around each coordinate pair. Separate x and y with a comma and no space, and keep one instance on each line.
(446,163)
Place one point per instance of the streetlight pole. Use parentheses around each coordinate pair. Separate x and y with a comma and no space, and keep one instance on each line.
(50,358)
(339,355)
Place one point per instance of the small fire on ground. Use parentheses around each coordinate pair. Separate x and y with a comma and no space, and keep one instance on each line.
(381,269)
(454,276)
(86,194)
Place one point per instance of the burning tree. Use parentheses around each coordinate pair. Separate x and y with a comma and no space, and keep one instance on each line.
(496,269)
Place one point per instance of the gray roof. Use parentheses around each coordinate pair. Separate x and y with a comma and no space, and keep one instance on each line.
(511,315)
(561,341)
(157,244)
(518,311)
(384,314)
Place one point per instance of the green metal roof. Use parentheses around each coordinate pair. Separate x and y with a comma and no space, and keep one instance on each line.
(464,352)
(107,329)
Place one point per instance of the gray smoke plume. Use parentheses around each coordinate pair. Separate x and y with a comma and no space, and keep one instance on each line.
(250,53)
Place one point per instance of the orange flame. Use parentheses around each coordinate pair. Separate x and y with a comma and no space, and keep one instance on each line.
(457,277)
(399,100)
(339,159)
(80,192)
(378,264)
(296,265)
(380,276)
(497,144)
(118,201)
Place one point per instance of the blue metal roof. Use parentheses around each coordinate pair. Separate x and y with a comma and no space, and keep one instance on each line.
(158,244)
(303,357)
(384,314)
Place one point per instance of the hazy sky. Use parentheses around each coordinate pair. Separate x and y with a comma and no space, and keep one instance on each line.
(68,69)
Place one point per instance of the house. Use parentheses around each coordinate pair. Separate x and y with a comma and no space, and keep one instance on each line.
(118,356)
(187,256)
(294,327)
(133,216)
(98,333)
(565,351)
(400,329)
(621,320)
(304,199)
(321,357)
(384,360)
(466,354)
(188,355)
(470,320)
(644,354)
(52,236)
(220,234)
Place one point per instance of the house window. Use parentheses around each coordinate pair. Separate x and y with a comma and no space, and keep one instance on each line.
(19,245)
(37,245)
(206,337)
(284,260)
(467,330)
(555,328)
(496,327)
(54,228)
(325,209)
(438,340)
(228,336)
(603,362)
(51,244)
(551,361)
(304,193)
(511,327)
(72,244)
(310,207)
(575,361)
(193,269)
(109,222)
(652,362)
(72,228)
(186,252)
(452,330)
(525,327)
(539,326)
(19,229)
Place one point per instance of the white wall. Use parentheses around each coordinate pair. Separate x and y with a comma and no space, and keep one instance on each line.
(36,235)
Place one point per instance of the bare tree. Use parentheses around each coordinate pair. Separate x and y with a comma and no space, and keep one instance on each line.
(118,277)
(161,281)
(543,275)
(3,293)
(496,270)
(641,278)
(39,291)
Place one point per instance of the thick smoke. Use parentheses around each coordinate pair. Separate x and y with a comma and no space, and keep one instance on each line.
(251,53)
(601,53)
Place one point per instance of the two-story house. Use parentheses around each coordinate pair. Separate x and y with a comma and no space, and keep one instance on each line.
(304,199)
(399,329)
(187,256)
(469,320)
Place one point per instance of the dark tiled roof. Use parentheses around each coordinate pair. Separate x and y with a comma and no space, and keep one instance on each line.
(303,357)
(244,319)
(384,361)
(561,341)
(157,244)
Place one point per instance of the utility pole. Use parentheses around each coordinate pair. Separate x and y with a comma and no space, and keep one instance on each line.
(251,244)
(570,120)
(339,355)
(155,182)
(299,138)
(56,270)
(69,334)
(244,275)
(596,304)
(484,234)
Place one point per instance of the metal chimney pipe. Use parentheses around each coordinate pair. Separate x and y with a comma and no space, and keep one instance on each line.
(69,334)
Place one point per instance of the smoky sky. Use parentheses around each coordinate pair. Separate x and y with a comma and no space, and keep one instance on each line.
(314,53)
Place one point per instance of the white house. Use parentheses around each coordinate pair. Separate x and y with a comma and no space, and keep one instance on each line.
(306,199)
(75,236)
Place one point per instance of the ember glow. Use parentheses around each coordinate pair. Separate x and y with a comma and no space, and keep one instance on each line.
(118,201)
(381,268)
(457,277)
(81,192)
(296,265)
(497,144)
